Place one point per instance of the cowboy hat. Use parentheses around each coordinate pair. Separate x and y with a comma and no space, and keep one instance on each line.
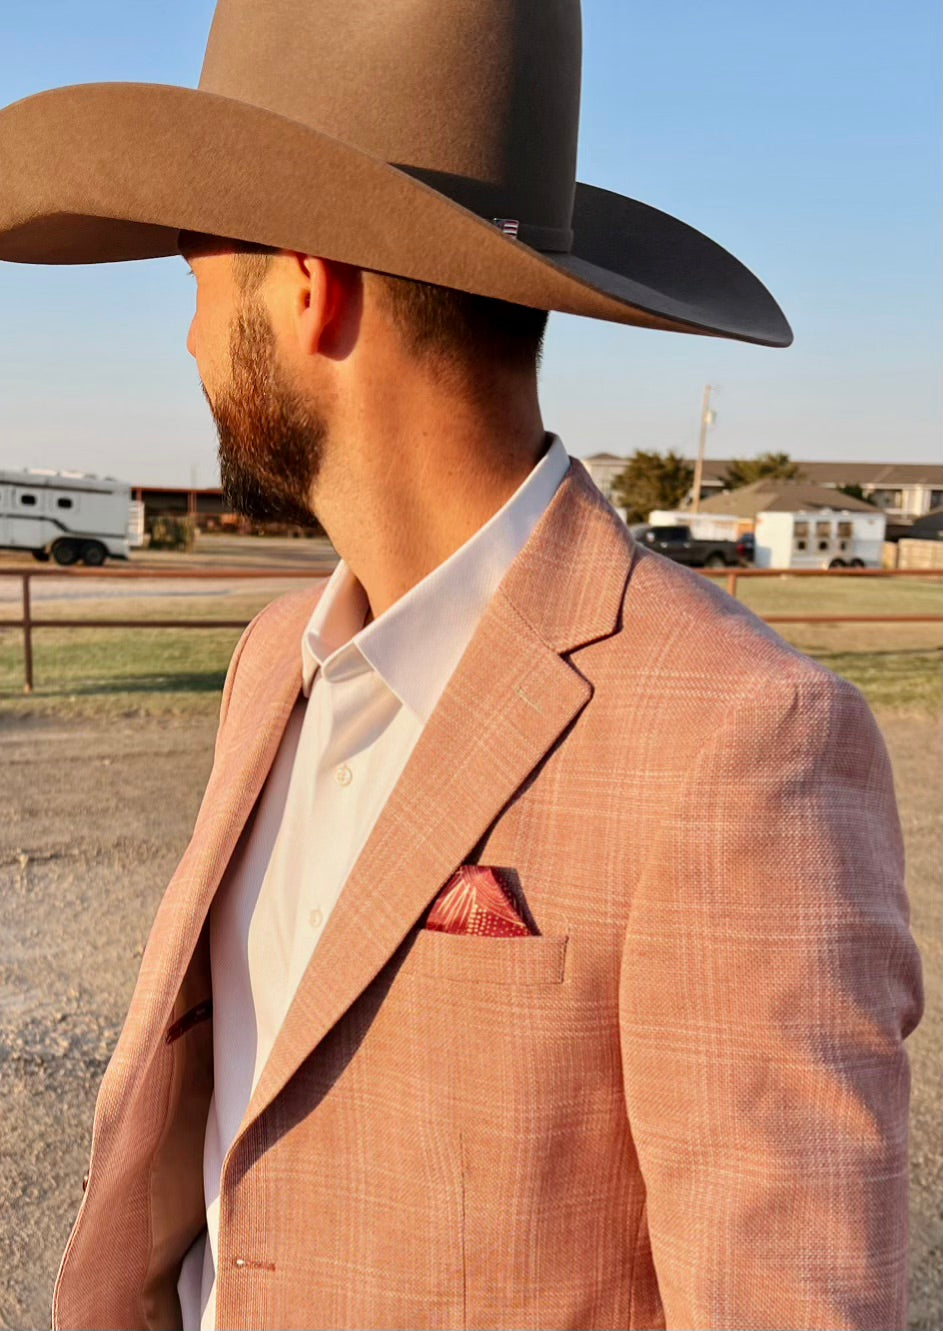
(430,140)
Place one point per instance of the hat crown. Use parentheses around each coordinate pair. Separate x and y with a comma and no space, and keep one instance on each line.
(479,98)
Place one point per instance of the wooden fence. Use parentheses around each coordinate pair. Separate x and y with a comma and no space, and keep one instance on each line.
(28,622)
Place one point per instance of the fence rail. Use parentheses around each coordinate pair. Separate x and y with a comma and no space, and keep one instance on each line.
(733,577)
(28,621)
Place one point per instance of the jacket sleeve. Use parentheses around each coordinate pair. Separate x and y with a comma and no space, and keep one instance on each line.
(768,983)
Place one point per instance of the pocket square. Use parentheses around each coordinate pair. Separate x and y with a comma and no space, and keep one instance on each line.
(474,901)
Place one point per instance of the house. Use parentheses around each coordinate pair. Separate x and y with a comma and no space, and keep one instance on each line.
(930,526)
(604,468)
(772,496)
(903,491)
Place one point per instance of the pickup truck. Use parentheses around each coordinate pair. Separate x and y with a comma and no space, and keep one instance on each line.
(679,544)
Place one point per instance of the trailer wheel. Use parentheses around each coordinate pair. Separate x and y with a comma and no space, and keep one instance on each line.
(65,553)
(837,563)
(716,560)
(94,554)
(41,556)
(856,563)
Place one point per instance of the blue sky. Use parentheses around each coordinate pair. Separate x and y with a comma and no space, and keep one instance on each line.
(803,137)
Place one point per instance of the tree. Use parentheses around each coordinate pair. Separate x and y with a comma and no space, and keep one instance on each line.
(766,466)
(854,491)
(652,480)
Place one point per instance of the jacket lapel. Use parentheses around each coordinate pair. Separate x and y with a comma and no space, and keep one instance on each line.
(504,708)
(508,702)
(244,756)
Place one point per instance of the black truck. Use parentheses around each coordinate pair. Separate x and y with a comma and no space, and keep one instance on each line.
(679,544)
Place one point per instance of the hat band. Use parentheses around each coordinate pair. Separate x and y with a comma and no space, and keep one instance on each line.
(549,239)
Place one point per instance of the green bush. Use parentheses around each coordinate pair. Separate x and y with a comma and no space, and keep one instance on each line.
(171,533)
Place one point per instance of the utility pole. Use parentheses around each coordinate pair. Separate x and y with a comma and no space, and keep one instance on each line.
(707,417)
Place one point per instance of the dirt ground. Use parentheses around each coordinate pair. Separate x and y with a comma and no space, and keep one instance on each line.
(94,821)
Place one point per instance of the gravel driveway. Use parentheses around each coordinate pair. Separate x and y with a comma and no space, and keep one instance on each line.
(95,820)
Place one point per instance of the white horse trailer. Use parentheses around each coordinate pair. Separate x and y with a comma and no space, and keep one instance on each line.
(68,515)
(821,538)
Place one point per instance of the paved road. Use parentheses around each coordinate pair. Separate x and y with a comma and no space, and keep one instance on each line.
(214,551)
(262,552)
(270,555)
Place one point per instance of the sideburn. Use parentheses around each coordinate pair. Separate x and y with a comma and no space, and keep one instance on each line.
(270,440)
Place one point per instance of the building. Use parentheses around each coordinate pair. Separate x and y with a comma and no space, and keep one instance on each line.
(904,491)
(206,506)
(209,510)
(771,496)
(604,468)
(930,526)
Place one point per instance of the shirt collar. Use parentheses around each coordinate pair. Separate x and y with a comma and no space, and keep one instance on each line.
(415,645)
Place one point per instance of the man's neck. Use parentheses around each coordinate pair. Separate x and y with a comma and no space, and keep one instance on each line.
(401,490)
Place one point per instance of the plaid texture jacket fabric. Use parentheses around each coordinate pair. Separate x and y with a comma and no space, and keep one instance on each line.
(683,1104)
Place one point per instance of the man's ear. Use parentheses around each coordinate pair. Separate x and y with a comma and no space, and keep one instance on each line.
(328,305)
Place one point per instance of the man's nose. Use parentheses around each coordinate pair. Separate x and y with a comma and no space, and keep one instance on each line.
(191,338)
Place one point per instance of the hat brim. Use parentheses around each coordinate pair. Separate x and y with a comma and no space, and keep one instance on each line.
(99,173)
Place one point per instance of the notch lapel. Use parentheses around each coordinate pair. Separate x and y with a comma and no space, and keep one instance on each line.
(508,702)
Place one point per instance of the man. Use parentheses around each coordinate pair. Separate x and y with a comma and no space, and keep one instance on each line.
(540,958)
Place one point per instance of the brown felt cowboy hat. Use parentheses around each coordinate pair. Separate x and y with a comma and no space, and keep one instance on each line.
(433,139)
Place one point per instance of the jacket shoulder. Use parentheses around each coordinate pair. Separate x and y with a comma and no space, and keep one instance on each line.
(699,633)
(286,613)
(270,636)
(687,661)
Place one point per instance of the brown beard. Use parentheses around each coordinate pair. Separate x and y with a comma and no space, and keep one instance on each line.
(270,441)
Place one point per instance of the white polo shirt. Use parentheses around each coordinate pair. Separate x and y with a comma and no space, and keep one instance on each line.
(368,692)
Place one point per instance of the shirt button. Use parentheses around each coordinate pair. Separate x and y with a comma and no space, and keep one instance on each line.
(316,918)
(343,775)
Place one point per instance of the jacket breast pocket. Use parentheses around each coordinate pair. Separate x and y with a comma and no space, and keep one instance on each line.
(463,959)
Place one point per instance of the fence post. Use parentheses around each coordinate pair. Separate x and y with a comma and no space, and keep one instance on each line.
(27,637)
(732,584)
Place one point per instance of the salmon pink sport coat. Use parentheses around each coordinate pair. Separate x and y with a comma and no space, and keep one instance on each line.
(682,1103)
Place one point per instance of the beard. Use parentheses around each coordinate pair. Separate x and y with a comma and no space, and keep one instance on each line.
(270,441)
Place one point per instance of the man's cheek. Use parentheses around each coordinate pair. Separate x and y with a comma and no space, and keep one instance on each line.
(214,371)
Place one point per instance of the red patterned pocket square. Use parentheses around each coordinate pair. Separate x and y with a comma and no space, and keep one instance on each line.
(474,901)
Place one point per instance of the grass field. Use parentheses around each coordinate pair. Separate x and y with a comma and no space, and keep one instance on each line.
(117,672)
(894,665)
(160,672)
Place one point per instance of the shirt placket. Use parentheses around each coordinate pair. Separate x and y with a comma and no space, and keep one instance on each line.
(354,708)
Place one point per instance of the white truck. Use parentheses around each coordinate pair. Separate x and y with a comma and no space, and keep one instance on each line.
(703,526)
(70,516)
(819,538)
